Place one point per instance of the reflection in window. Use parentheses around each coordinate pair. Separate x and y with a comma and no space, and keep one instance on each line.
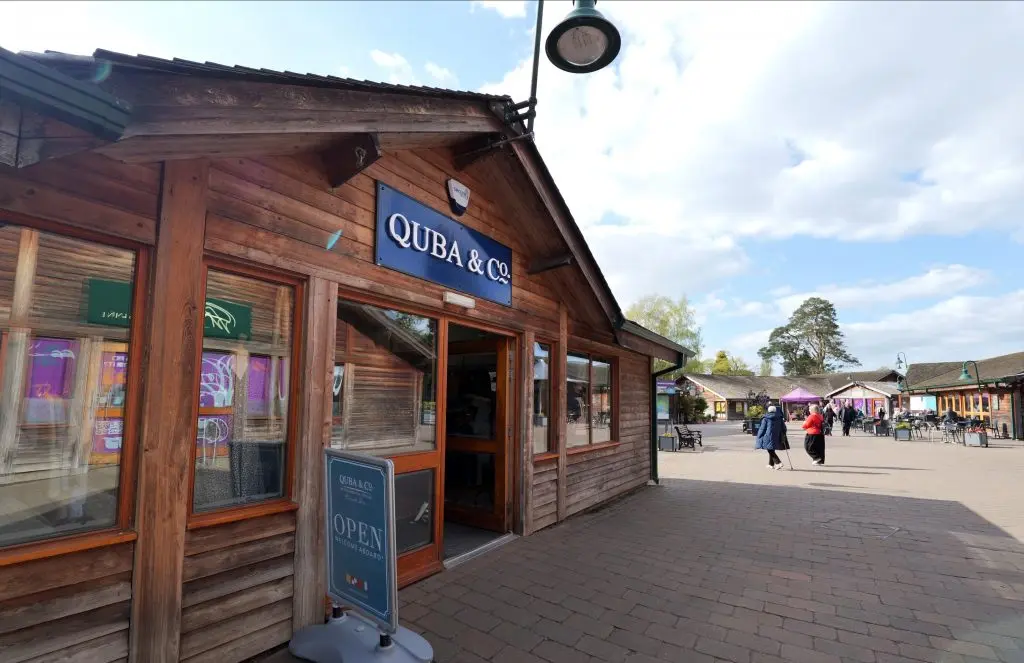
(414,505)
(65,307)
(541,398)
(243,391)
(385,373)
(588,400)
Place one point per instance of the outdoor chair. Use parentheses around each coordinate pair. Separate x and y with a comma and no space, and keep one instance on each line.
(687,439)
(695,433)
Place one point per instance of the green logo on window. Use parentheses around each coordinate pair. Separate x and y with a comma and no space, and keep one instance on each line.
(109,303)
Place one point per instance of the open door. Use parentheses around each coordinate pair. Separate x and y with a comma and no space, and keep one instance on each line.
(476,475)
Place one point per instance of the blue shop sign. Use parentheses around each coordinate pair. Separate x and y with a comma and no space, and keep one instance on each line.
(362,561)
(415,239)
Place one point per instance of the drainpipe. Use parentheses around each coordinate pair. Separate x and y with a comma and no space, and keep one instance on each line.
(680,362)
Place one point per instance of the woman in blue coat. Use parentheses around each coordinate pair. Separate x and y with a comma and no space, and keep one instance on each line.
(771,437)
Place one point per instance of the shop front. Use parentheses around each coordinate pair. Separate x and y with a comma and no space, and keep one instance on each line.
(194,308)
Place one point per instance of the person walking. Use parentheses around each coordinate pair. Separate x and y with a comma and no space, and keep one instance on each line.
(771,436)
(849,414)
(814,441)
(830,418)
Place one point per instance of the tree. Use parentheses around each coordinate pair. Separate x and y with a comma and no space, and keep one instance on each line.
(726,364)
(811,342)
(766,367)
(675,320)
(697,366)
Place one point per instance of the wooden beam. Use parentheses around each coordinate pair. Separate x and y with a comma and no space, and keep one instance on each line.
(526,426)
(10,130)
(554,262)
(174,336)
(350,156)
(310,581)
(558,408)
(17,341)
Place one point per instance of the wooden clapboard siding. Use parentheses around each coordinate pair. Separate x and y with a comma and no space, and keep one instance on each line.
(545,494)
(239,580)
(87,191)
(596,476)
(70,608)
(289,197)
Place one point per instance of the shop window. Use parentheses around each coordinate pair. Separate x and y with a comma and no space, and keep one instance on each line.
(720,407)
(65,319)
(414,506)
(589,395)
(739,407)
(385,377)
(542,430)
(243,432)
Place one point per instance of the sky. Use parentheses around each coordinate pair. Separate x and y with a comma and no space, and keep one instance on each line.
(745,155)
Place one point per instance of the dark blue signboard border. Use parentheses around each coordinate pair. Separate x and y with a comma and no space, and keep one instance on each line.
(424,243)
(347,568)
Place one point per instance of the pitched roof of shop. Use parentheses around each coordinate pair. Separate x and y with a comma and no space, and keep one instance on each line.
(737,387)
(883,388)
(947,374)
(576,243)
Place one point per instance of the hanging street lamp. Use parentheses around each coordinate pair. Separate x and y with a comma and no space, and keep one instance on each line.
(585,41)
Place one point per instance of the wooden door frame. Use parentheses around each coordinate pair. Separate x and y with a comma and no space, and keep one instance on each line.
(423,562)
(499,519)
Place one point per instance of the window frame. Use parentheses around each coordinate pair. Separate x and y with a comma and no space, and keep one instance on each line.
(124,518)
(551,449)
(286,502)
(613,425)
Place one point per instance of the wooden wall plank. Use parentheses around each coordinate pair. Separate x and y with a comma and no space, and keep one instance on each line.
(41,575)
(236,580)
(41,607)
(247,645)
(205,539)
(310,580)
(196,642)
(111,648)
(175,331)
(28,643)
(232,605)
(233,557)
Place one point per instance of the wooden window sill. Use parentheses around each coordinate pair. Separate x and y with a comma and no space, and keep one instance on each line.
(546,456)
(28,552)
(234,514)
(592,447)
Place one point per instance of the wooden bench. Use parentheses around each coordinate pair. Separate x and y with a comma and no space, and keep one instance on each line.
(688,439)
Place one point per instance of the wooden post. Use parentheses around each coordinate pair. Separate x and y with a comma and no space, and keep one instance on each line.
(558,408)
(526,425)
(310,580)
(13,383)
(82,414)
(169,416)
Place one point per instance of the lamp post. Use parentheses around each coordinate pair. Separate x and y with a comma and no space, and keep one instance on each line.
(965,376)
(902,384)
(584,42)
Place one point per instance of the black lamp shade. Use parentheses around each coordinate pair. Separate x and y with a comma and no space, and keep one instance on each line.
(584,42)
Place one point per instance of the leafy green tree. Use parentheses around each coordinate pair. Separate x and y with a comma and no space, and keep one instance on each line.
(673,319)
(726,364)
(766,367)
(811,342)
(698,366)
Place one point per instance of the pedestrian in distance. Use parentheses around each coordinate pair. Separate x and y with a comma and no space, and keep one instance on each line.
(771,436)
(830,418)
(814,440)
(849,414)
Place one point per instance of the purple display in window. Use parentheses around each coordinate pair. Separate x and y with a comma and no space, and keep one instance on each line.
(217,380)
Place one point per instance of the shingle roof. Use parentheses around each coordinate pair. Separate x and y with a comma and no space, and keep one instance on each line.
(881,375)
(887,388)
(993,369)
(238,72)
(739,386)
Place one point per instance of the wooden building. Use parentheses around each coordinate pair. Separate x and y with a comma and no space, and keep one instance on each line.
(867,396)
(728,395)
(993,393)
(195,301)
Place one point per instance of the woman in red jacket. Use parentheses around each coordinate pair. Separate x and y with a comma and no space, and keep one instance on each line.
(814,441)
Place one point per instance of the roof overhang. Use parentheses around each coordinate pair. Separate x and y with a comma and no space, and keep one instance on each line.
(862,386)
(45,113)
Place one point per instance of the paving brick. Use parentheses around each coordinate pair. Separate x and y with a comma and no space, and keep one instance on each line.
(794,654)
(480,643)
(588,608)
(476,618)
(755,643)
(602,649)
(516,635)
(557,653)
(781,635)
(965,648)
(723,650)
(671,635)
(638,642)
(653,616)
(558,632)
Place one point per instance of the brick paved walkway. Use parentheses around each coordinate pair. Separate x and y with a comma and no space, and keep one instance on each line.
(891,553)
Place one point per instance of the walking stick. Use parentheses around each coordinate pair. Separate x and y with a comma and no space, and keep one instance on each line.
(789,459)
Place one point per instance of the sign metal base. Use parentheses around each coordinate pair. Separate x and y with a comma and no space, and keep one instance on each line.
(354,639)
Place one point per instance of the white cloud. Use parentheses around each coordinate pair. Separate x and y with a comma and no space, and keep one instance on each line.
(936,282)
(396,66)
(507,8)
(441,75)
(855,121)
